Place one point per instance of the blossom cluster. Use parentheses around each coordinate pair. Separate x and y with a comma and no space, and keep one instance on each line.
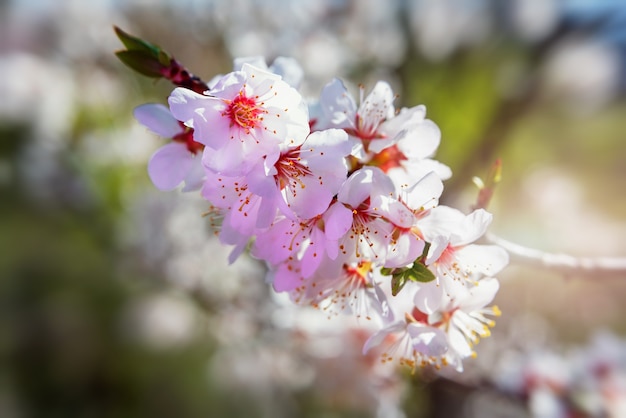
(340,198)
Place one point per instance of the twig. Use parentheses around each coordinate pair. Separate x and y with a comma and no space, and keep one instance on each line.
(562,263)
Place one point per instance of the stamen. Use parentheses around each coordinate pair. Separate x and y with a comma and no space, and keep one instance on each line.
(243,111)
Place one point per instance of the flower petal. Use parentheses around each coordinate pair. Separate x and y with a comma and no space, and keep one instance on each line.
(158,119)
(338,106)
(337,221)
(481,294)
(429,297)
(429,341)
(170,165)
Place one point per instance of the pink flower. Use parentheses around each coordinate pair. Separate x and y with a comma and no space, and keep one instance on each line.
(300,182)
(305,242)
(334,288)
(243,210)
(376,218)
(177,161)
(307,176)
(248,114)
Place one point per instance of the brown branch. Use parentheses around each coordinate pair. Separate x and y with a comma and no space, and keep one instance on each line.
(565,264)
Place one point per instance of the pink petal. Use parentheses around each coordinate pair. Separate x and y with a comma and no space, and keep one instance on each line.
(170,165)
(274,244)
(286,278)
(311,200)
(312,257)
(158,119)
(337,221)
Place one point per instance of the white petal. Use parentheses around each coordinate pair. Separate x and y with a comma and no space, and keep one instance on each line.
(429,297)
(420,141)
(459,343)
(437,246)
(485,259)
(379,336)
(471,228)
(480,295)
(429,341)
(378,105)
(338,105)
(289,70)
(394,211)
(442,220)
(404,251)
(257,61)
(357,187)
(425,193)
(183,104)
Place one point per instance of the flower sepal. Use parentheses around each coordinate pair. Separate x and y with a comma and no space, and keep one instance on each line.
(418,272)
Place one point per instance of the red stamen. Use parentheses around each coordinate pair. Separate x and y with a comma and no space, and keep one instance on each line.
(243,111)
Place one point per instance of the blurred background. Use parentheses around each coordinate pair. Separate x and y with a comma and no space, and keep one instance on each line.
(116,300)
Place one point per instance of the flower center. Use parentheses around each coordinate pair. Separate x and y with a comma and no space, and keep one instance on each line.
(357,275)
(388,158)
(447,257)
(186,137)
(243,111)
(289,170)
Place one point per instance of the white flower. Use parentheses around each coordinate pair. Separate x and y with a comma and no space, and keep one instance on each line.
(465,319)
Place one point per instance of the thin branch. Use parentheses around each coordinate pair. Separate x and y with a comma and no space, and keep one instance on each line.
(565,264)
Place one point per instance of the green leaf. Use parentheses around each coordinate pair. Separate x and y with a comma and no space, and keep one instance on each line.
(132,43)
(164,58)
(397,283)
(141,62)
(420,273)
(386,271)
